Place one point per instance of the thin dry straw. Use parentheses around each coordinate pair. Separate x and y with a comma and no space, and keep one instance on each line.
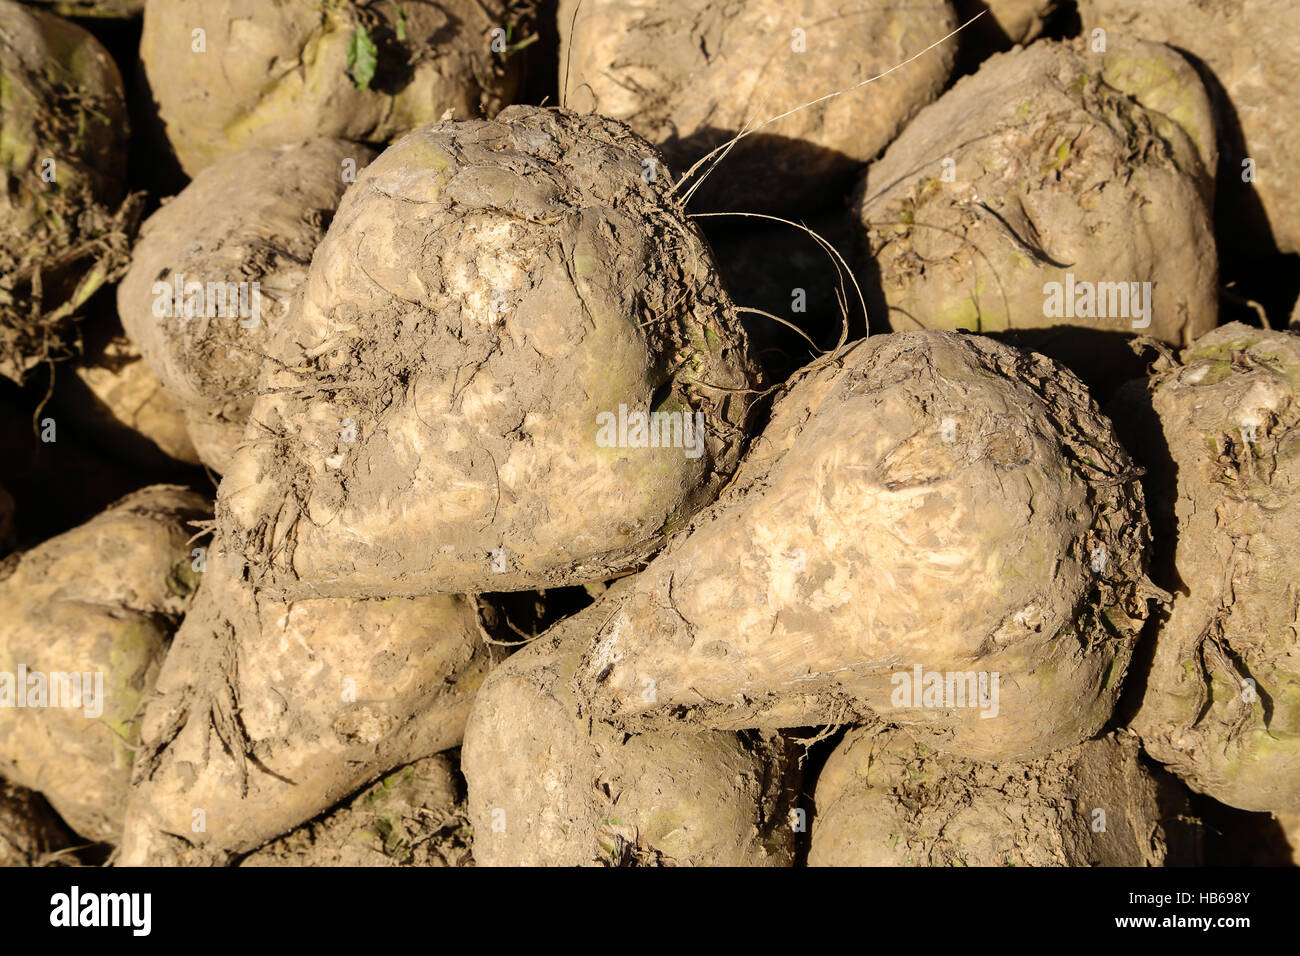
(568,58)
(837,260)
(789,325)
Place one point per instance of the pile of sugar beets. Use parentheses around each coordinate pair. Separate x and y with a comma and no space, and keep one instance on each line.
(649,432)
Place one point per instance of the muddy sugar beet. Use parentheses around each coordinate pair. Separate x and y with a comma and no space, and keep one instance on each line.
(546,788)
(425,58)
(1248,48)
(268,713)
(215,269)
(885,800)
(1058,190)
(933,528)
(488,294)
(1220,433)
(91,611)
